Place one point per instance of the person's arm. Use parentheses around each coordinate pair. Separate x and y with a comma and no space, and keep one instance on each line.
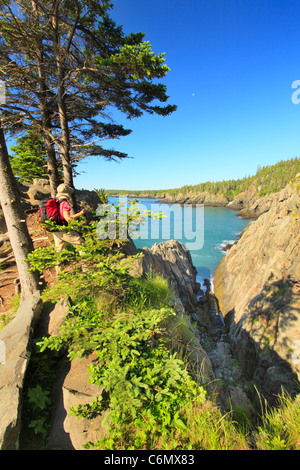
(68,217)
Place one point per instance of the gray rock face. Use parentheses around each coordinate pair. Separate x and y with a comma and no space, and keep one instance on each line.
(15,338)
(257,285)
(173,261)
(72,388)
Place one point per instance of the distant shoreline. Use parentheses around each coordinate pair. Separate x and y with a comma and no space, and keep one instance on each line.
(226,205)
(251,196)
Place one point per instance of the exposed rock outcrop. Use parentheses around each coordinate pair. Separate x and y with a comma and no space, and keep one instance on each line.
(249,204)
(16,339)
(32,193)
(258,288)
(72,388)
(244,199)
(173,261)
(204,198)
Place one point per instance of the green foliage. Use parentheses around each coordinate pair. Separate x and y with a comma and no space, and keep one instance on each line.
(103,196)
(120,318)
(122,219)
(47,258)
(29,161)
(113,71)
(279,428)
(145,386)
(37,407)
(148,398)
(38,397)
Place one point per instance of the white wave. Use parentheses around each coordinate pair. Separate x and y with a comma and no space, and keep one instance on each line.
(221,246)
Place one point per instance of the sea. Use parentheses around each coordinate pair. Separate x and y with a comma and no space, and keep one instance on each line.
(205,231)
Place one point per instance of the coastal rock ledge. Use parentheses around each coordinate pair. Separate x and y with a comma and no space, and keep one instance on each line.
(169,259)
(257,285)
(71,386)
(174,262)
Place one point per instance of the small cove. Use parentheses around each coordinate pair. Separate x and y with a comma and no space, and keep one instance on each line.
(215,227)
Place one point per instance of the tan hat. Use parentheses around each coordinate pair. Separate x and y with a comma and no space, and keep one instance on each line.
(64,191)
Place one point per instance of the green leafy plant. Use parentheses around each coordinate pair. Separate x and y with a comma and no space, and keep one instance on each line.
(39,401)
(149,397)
(122,219)
(103,196)
(38,397)
(145,386)
(147,389)
(29,160)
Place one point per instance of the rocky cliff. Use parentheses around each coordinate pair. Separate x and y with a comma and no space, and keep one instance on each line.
(173,261)
(257,285)
(197,198)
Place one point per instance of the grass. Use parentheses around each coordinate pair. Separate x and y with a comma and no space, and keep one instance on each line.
(280,427)
(153,400)
(200,424)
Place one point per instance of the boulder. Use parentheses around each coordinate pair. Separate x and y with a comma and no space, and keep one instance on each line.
(57,317)
(257,207)
(15,340)
(34,192)
(42,182)
(173,261)
(88,198)
(72,388)
(245,200)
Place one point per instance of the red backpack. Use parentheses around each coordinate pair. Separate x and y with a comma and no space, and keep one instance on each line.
(49,210)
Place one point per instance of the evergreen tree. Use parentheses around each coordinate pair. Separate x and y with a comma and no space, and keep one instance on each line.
(30,159)
(66,65)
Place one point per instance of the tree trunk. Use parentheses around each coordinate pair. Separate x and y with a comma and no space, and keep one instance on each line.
(66,144)
(60,53)
(44,108)
(20,240)
(51,166)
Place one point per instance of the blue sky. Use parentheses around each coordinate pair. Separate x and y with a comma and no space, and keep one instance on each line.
(232,65)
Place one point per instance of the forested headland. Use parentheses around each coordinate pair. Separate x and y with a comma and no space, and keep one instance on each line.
(268,179)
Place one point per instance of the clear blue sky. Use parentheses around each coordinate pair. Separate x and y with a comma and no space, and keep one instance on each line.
(232,65)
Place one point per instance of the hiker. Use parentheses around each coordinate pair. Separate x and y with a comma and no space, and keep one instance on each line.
(64,192)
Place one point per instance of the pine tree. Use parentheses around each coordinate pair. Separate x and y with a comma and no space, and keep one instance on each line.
(30,159)
(71,64)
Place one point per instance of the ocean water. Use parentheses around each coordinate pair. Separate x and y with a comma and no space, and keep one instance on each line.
(205,231)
